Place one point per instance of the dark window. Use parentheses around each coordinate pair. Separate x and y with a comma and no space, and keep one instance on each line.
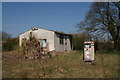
(24,39)
(61,39)
(65,40)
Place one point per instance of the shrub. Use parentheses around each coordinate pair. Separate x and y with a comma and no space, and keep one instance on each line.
(104,46)
(78,40)
(10,44)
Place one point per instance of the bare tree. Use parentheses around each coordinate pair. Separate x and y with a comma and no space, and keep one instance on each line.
(4,36)
(103,18)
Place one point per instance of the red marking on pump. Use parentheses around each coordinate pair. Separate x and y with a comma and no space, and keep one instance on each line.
(88,55)
(87,60)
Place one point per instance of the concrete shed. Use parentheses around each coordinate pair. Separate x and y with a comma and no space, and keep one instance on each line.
(50,40)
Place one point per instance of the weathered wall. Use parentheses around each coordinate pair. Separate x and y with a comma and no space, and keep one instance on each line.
(53,39)
(62,47)
(24,35)
(40,34)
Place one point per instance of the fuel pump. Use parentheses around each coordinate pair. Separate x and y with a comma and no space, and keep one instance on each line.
(88,54)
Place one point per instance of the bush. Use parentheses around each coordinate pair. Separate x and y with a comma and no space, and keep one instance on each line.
(10,44)
(78,42)
(104,46)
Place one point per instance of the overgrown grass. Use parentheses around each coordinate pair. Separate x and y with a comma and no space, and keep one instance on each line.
(64,66)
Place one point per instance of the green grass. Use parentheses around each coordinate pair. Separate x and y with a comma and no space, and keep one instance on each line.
(64,66)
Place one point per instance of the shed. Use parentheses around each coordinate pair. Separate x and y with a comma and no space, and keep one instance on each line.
(50,40)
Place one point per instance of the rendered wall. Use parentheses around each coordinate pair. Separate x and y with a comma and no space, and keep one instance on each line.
(40,34)
(62,47)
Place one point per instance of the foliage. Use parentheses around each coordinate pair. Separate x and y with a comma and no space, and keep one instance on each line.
(4,36)
(104,46)
(10,44)
(77,43)
(103,18)
(78,40)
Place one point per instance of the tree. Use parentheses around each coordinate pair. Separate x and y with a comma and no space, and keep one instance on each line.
(103,18)
(4,36)
(78,40)
(10,44)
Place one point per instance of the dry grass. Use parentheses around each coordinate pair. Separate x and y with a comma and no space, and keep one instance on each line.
(69,65)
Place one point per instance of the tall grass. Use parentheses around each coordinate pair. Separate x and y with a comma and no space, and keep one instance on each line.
(70,65)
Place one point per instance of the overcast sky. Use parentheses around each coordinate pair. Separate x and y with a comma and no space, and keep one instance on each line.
(17,17)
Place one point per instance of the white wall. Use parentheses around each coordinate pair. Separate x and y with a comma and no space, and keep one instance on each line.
(24,35)
(40,34)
